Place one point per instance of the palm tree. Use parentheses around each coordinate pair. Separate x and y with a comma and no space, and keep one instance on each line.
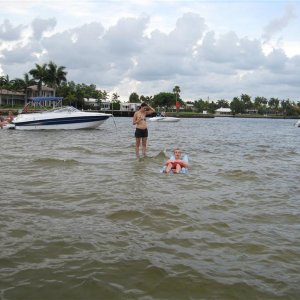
(105,95)
(274,104)
(222,103)
(4,80)
(247,101)
(134,98)
(55,75)
(115,98)
(176,91)
(148,99)
(23,85)
(39,74)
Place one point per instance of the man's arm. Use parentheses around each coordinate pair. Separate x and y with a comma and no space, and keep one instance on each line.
(134,119)
(150,110)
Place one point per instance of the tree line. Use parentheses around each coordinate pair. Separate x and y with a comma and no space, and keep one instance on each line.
(244,104)
(238,105)
(48,74)
(55,76)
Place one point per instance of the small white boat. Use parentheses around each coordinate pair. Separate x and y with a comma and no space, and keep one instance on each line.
(297,124)
(164,119)
(67,117)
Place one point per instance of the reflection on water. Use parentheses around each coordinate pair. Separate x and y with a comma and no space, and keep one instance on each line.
(80,218)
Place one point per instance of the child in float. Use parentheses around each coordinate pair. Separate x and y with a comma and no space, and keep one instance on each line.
(175,164)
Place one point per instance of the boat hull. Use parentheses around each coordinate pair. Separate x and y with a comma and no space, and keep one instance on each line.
(42,121)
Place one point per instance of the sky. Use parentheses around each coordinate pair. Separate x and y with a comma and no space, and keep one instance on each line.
(212,50)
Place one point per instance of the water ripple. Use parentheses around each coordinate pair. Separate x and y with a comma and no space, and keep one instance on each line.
(82,218)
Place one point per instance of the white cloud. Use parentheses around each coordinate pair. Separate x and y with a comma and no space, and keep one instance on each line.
(151,46)
(40,26)
(278,24)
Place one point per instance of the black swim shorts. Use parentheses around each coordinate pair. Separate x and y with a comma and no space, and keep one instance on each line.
(141,133)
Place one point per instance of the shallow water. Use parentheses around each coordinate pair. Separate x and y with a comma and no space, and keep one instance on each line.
(80,218)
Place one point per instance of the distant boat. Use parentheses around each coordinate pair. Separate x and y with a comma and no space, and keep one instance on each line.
(67,117)
(164,119)
(297,124)
(161,118)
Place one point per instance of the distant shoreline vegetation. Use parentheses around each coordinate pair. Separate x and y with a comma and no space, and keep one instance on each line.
(55,77)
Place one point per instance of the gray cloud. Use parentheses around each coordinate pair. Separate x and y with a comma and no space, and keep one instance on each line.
(276,61)
(10,33)
(76,48)
(166,55)
(230,49)
(126,37)
(39,26)
(97,55)
(21,54)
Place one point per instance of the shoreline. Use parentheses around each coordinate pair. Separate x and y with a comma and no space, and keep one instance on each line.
(118,113)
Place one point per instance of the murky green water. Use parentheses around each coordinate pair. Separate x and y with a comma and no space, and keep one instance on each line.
(80,218)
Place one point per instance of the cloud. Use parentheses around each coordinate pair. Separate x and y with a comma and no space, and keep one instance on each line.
(96,54)
(133,55)
(10,33)
(21,54)
(166,55)
(276,61)
(188,31)
(76,48)
(127,36)
(39,26)
(239,53)
(278,24)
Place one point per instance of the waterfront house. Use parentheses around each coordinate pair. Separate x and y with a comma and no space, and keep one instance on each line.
(223,111)
(252,111)
(105,105)
(45,91)
(95,103)
(190,106)
(129,106)
(12,98)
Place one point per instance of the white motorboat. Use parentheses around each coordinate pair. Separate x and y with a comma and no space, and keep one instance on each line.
(67,117)
(297,124)
(164,119)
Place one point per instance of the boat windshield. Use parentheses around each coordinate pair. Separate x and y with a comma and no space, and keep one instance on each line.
(64,109)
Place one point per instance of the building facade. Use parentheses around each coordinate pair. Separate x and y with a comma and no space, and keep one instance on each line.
(223,111)
(12,98)
(129,106)
(95,103)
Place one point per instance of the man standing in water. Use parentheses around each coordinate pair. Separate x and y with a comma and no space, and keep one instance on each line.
(141,131)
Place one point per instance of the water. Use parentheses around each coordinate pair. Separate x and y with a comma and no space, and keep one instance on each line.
(80,218)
